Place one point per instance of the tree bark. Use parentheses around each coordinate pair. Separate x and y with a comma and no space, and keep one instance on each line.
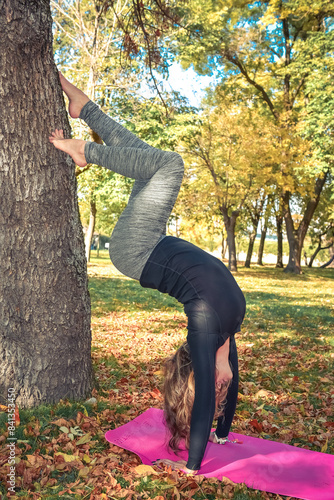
(279,232)
(305,258)
(255,214)
(252,237)
(230,222)
(223,245)
(315,253)
(45,338)
(296,236)
(98,245)
(261,246)
(91,227)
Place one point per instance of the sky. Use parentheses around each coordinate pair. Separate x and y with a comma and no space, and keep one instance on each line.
(188,83)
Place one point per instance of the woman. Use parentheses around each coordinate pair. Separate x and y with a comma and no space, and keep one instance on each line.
(140,249)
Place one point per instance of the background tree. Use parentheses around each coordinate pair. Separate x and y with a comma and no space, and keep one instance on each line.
(223,152)
(321,231)
(266,224)
(259,49)
(254,209)
(44,302)
(108,50)
(87,41)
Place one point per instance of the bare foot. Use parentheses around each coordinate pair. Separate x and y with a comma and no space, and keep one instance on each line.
(76,97)
(74,147)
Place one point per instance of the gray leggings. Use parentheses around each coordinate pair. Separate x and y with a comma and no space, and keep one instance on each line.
(158,176)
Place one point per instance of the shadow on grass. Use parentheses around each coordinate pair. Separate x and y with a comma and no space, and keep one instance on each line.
(259,272)
(276,310)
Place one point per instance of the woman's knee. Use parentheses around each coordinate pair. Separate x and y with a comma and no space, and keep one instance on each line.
(175,163)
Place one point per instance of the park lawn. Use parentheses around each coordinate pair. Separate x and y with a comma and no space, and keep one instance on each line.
(286,388)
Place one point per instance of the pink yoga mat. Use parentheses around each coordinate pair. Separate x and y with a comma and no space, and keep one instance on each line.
(259,463)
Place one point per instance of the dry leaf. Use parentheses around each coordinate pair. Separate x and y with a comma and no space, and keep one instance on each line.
(67,458)
(226,480)
(83,472)
(35,460)
(84,439)
(145,470)
(60,422)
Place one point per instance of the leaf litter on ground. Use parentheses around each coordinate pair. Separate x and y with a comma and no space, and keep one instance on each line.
(286,388)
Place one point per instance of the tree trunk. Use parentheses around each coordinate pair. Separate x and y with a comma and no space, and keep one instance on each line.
(295,251)
(330,263)
(230,222)
(317,250)
(279,231)
(250,249)
(255,214)
(223,245)
(45,339)
(261,246)
(305,258)
(296,236)
(91,227)
(98,246)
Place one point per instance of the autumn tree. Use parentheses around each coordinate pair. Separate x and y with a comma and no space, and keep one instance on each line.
(266,224)
(255,209)
(278,54)
(321,232)
(222,151)
(110,50)
(86,47)
(44,303)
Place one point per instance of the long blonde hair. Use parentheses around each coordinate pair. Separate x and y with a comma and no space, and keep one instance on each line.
(179,394)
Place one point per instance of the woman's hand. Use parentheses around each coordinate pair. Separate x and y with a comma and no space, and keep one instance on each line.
(223,370)
(180,465)
(214,439)
(223,374)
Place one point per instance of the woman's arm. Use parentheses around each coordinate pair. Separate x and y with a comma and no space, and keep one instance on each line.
(203,348)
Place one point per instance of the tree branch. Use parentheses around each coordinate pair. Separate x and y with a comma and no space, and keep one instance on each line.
(312,205)
(232,58)
(301,83)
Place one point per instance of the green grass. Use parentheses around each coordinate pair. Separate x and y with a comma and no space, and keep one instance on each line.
(286,381)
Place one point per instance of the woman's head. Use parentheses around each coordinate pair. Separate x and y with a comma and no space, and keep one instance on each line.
(179,394)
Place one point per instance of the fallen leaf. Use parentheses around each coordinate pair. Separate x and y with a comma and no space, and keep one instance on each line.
(84,439)
(145,470)
(35,460)
(83,472)
(177,494)
(256,424)
(67,458)
(226,480)
(17,416)
(324,447)
(262,394)
(60,422)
